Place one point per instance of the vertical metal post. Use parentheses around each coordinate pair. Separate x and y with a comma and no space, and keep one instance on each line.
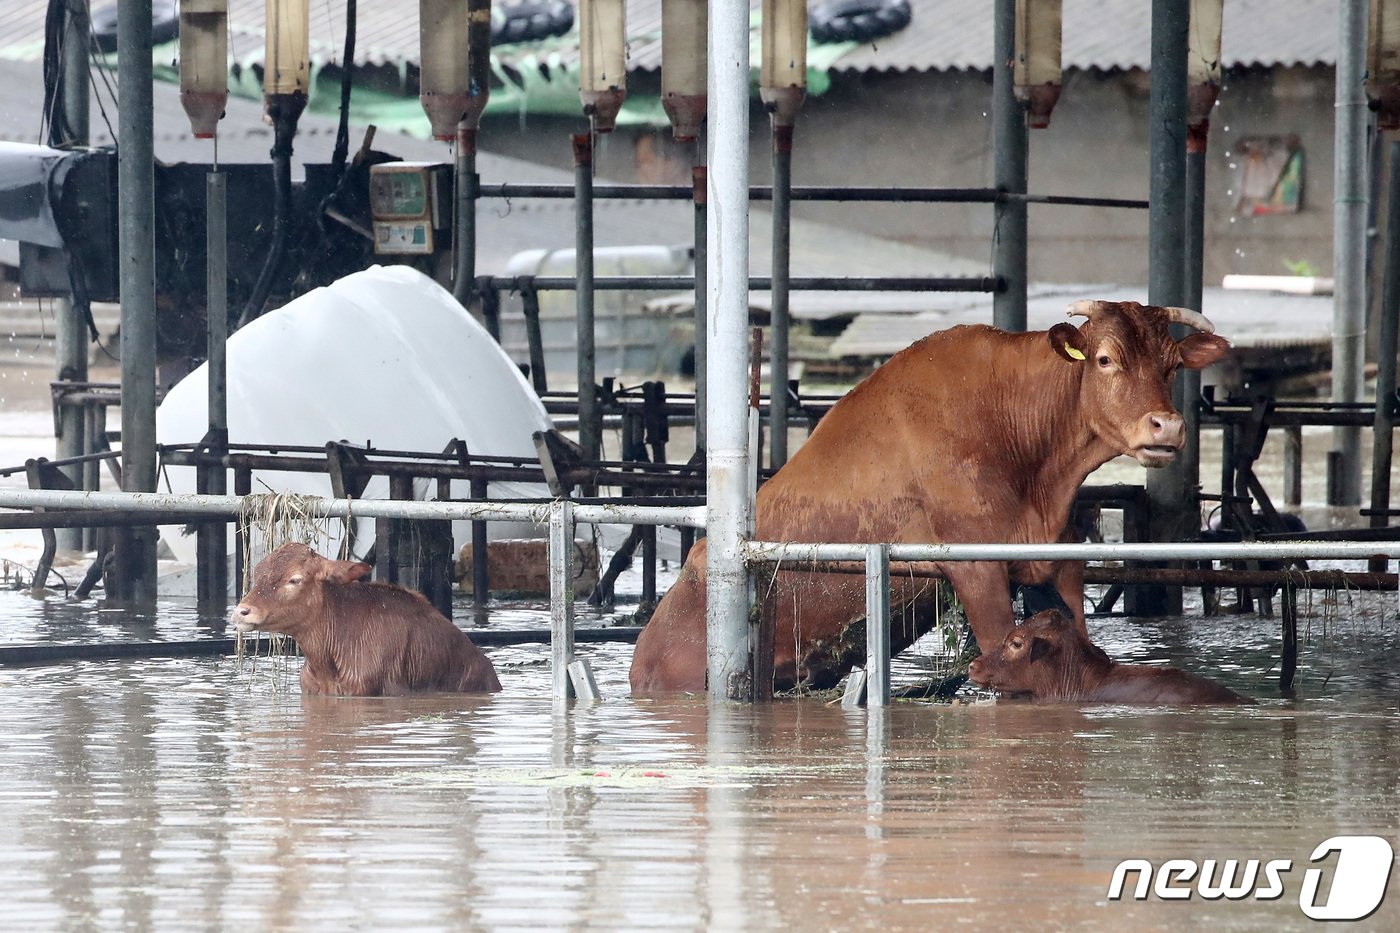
(134,578)
(648,600)
(1288,659)
(699,185)
(1383,438)
(877,625)
(1166,487)
(781,320)
(464,187)
(727,466)
(1009,171)
(1293,465)
(1349,245)
(534,339)
(481,550)
(589,433)
(95,433)
(70,314)
(212,541)
(1188,381)
(561,596)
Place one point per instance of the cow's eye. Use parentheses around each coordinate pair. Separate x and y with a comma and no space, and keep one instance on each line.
(1018,645)
(1104,361)
(294,581)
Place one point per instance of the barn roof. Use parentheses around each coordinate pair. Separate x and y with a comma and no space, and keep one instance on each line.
(943,35)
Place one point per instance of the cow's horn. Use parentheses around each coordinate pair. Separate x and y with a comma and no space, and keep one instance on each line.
(1084,307)
(1190,318)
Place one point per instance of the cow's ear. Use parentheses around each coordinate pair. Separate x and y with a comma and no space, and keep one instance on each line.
(1200,350)
(346,571)
(1068,342)
(1041,648)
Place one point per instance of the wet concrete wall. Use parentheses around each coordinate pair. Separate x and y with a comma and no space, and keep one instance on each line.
(934,129)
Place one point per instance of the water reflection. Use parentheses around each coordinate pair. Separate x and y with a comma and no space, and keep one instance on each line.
(194,793)
(209,793)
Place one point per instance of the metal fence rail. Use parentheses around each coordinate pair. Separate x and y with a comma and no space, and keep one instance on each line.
(871,686)
(563,515)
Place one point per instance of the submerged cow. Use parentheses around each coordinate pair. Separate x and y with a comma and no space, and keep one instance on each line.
(359,639)
(969,435)
(1048,659)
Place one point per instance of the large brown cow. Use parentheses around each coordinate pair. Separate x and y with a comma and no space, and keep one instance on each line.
(969,435)
(359,639)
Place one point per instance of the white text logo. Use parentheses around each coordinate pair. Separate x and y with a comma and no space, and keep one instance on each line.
(1358,879)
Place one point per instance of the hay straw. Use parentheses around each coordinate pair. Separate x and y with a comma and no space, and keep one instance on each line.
(266,522)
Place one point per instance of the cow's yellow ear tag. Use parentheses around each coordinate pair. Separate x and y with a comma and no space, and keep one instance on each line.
(1073,353)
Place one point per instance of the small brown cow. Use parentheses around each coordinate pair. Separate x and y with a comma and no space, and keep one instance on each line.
(359,639)
(970,435)
(1047,658)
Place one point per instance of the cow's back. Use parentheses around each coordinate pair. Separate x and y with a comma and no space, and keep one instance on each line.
(922,450)
(386,640)
(1130,683)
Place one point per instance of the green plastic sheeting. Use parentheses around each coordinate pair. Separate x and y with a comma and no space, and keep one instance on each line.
(532,79)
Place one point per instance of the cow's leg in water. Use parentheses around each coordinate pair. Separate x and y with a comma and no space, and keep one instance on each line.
(985,592)
(1068,577)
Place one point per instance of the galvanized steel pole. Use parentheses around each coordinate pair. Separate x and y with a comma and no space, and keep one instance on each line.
(1349,247)
(561,596)
(781,321)
(1009,171)
(588,427)
(1166,265)
(1384,427)
(464,216)
(1187,392)
(727,465)
(466,182)
(877,625)
(212,542)
(699,190)
(135,574)
(70,314)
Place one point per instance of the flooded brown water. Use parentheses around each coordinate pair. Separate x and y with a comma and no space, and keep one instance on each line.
(209,794)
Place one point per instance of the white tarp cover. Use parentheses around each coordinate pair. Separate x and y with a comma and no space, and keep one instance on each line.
(384,356)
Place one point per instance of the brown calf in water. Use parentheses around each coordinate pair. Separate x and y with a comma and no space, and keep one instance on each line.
(359,639)
(1048,658)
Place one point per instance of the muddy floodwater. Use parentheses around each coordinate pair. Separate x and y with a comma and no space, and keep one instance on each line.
(209,794)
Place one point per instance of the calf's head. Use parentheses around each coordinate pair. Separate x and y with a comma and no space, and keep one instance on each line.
(288,586)
(1042,657)
(1128,359)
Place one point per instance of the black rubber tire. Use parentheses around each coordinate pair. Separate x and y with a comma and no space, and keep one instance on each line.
(857,20)
(531,21)
(165,25)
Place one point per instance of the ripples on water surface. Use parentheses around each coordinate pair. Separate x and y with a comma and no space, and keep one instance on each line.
(208,794)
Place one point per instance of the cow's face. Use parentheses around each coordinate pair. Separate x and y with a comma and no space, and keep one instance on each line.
(287,589)
(1128,360)
(1038,658)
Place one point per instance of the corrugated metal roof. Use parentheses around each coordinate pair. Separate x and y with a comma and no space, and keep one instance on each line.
(944,34)
(1104,35)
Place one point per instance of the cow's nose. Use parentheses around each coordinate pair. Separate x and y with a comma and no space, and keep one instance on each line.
(1168,428)
(242,610)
